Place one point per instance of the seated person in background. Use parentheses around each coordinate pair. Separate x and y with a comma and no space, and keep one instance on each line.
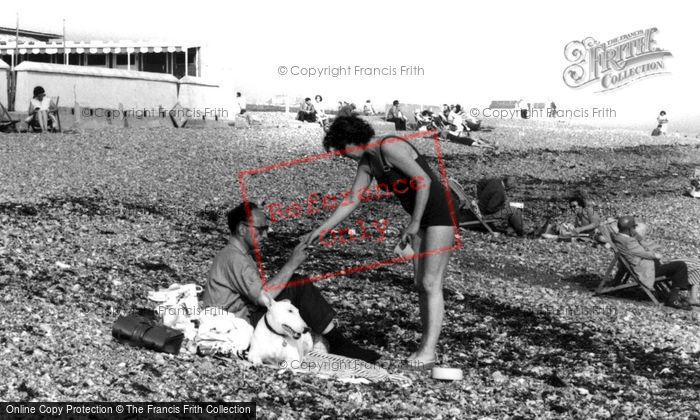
(240,100)
(234,284)
(662,120)
(440,119)
(455,129)
(492,202)
(586,221)
(424,120)
(368,108)
(42,111)
(641,233)
(647,264)
(321,115)
(348,110)
(455,123)
(307,111)
(395,115)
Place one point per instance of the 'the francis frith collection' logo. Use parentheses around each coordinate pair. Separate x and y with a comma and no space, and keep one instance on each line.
(615,63)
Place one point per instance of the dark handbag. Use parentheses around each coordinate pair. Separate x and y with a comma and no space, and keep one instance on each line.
(138,331)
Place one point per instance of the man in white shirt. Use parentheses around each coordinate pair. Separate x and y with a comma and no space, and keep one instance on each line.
(369,108)
(240,100)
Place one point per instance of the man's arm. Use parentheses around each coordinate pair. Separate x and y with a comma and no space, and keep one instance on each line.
(632,247)
(275,285)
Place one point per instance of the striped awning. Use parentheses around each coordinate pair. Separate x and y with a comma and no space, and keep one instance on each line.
(9,49)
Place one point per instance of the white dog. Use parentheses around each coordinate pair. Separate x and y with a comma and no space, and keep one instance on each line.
(280,336)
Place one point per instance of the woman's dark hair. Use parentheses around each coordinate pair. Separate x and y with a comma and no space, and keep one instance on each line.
(345,131)
(319,97)
(426,113)
(38,90)
(237,215)
(307,99)
(662,112)
(396,102)
(458,108)
(580,201)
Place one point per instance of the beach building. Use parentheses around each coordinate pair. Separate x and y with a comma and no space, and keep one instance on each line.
(148,76)
(177,59)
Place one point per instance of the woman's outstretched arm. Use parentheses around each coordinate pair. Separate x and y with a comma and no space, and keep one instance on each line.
(363,177)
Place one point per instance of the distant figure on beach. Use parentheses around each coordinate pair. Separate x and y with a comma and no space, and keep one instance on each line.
(348,110)
(440,118)
(395,115)
(523,109)
(552,110)
(662,120)
(368,109)
(455,122)
(307,112)
(42,111)
(321,115)
(586,221)
(240,100)
(424,120)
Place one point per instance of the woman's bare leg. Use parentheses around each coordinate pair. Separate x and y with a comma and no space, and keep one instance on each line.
(42,117)
(429,274)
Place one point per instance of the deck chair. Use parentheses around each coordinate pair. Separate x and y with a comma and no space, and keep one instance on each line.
(625,277)
(55,100)
(480,220)
(6,119)
(54,121)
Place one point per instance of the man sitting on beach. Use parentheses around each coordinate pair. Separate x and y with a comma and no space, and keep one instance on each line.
(492,203)
(307,112)
(586,221)
(646,264)
(234,284)
(395,115)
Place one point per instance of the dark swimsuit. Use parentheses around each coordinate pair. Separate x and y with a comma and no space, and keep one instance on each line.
(437,211)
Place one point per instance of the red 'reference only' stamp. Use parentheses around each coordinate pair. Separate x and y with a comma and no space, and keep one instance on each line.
(316,202)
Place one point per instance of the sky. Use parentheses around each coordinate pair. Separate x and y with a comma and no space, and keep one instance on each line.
(469,53)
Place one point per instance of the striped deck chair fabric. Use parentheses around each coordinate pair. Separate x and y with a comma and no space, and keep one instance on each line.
(340,367)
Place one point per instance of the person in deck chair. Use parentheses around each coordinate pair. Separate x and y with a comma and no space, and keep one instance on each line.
(234,284)
(642,234)
(646,264)
(586,221)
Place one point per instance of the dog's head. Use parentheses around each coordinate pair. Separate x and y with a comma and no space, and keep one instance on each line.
(284,318)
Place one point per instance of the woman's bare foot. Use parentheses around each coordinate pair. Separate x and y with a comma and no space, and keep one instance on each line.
(420,359)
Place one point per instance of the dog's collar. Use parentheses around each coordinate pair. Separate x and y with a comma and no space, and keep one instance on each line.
(269,327)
